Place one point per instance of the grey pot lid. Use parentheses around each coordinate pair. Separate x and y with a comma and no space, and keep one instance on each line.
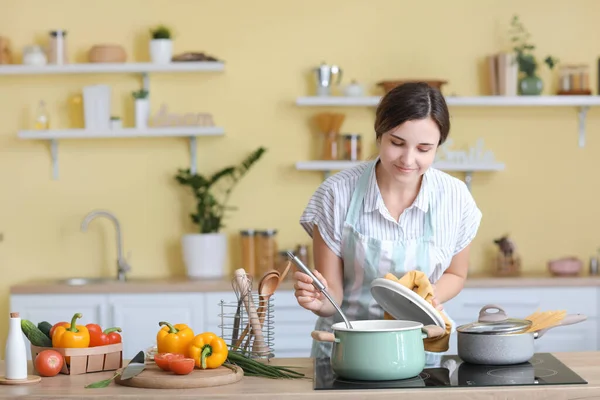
(495,323)
(491,328)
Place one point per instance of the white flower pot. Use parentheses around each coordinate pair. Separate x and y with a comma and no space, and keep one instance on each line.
(161,51)
(142,113)
(205,255)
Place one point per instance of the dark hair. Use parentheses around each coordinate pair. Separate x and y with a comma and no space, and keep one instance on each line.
(412,101)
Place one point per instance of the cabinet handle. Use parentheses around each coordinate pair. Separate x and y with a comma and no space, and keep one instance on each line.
(504,304)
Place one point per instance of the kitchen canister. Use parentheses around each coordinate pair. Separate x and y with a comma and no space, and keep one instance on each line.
(57,48)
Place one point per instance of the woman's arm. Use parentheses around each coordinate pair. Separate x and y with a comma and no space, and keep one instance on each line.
(330,272)
(453,279)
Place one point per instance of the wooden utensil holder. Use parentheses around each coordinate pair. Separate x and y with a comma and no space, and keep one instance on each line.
(88,359)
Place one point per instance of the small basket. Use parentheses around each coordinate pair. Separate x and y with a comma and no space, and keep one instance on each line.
(88,359)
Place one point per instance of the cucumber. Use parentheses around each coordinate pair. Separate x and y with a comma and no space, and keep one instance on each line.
(45,327)
(35,336)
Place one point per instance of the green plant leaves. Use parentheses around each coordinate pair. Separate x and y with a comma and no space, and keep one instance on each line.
(212,194)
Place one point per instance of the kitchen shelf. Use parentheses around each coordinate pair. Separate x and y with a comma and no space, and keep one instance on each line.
(582,103)
(108,68)
(55,135)
(327,166)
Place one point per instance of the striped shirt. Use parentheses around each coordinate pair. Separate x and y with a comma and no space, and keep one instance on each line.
(456,217)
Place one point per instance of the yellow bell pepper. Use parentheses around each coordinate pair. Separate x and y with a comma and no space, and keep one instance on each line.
(208,350)
(71,335)
(174,338)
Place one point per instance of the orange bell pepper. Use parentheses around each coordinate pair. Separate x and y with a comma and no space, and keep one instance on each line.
(173,338)
(208,350)
(71,335)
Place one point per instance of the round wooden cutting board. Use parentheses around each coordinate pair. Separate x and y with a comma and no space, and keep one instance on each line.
(153,377)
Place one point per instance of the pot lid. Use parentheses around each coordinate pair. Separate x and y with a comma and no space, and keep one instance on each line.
(494,323)
(404,304)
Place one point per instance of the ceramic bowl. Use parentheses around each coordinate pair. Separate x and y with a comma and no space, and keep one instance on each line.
(565,266)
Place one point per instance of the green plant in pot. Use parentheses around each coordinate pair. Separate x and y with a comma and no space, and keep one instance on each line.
(161,44)
(529,82)
(205,252)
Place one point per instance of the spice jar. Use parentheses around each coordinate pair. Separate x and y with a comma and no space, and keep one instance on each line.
(265,250)
(57,48)
(351,147)
(247,238)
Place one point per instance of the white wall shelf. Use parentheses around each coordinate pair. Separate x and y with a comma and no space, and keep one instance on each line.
(143,69)
(53,136)
(582,103)
(108,68)
(327,167)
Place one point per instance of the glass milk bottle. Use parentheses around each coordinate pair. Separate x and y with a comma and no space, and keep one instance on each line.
(15,355)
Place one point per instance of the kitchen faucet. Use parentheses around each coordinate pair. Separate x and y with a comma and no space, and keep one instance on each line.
(122,266)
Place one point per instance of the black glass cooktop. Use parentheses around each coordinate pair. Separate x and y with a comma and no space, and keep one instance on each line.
(542,369)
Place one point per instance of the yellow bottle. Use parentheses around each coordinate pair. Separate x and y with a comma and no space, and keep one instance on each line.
(42,119)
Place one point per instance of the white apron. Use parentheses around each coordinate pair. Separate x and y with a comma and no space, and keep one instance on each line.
(366,258)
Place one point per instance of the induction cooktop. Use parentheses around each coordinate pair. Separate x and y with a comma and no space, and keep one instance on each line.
(542,369)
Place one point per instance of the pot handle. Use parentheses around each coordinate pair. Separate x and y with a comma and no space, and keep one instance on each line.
(322,336)
(568,320)
(432,331)
(485,316)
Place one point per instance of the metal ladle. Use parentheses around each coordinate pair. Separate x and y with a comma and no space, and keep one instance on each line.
(319,286)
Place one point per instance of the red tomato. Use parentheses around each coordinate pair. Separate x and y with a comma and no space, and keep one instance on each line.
(49,362)
(162,360)
(181,366)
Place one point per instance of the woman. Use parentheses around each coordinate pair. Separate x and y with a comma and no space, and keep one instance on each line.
(393,214)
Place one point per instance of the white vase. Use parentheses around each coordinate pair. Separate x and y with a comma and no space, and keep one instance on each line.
(161,50)
(205,255)
(142,113)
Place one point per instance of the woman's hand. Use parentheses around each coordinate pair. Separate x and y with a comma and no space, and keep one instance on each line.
(434,302)
(307,295)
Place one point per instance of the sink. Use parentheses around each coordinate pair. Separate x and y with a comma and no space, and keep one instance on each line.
(87,281)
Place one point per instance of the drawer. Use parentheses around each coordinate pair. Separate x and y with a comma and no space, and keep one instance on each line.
(520,302)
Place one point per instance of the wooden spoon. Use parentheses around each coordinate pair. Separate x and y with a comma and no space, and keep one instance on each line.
(266,288)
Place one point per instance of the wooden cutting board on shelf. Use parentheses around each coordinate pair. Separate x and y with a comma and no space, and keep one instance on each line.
(153,377)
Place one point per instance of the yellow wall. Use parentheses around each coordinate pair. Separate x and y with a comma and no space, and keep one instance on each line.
(547,198)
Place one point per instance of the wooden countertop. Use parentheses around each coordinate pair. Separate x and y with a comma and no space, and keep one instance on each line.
(154,285)
(587,365)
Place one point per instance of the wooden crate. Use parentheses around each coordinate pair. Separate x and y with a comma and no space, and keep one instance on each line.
(89,359)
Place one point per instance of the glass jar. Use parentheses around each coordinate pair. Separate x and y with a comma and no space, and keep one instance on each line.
(57,48)
(330,146)
(351,147)
(34,55)
(248,251)
(265,251)
(507,264)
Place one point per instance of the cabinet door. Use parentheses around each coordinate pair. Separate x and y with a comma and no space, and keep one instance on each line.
(60,307)
(138,316)
(292,326)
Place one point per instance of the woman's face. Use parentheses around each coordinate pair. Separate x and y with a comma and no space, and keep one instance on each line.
(409,149)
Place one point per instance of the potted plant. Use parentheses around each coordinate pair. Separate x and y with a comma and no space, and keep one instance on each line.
(142,108)
(161,45)
(529,82)
(204,252)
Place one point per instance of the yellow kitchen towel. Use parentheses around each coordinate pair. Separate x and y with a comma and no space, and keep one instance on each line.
(418,282)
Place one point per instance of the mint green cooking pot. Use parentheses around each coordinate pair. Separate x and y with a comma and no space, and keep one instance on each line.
(378,349)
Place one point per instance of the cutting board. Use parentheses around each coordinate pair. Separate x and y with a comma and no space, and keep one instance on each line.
(153,377)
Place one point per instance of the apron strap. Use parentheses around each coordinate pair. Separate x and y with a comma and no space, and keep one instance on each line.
(359,194)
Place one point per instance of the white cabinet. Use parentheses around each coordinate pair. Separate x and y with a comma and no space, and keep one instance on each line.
(138,314)
(521,302)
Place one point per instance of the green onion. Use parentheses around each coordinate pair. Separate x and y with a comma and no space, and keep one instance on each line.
(253,367)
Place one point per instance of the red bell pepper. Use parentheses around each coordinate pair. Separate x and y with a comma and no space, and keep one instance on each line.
(103,338)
